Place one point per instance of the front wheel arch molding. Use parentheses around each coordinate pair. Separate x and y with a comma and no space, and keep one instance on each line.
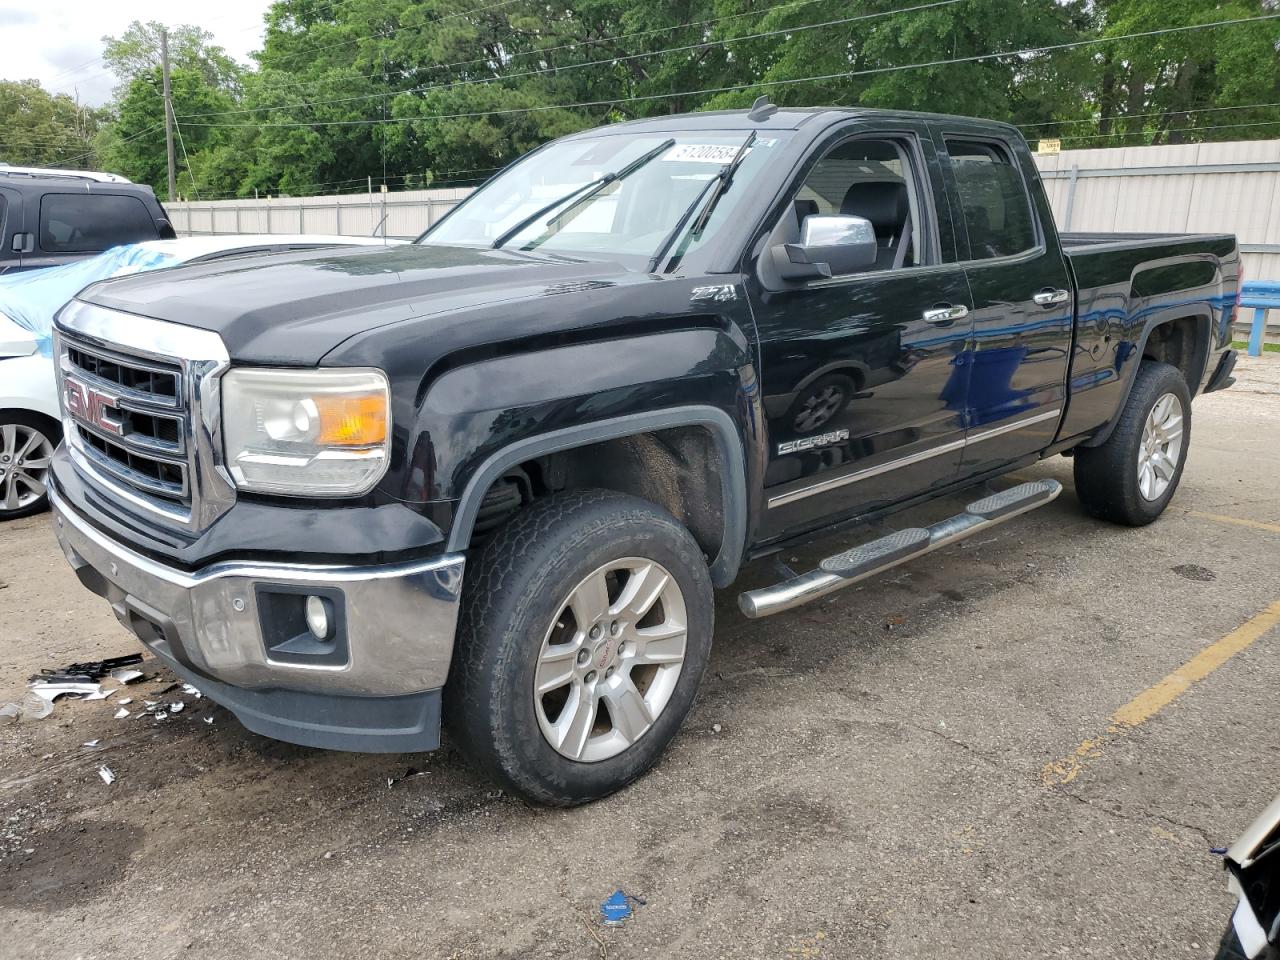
(721,427)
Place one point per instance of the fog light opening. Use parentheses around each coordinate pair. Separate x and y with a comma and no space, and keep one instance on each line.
(319,617)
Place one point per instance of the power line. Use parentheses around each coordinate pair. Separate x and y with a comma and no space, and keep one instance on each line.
(1159,113)
(976,58)
(609,61)
(1150,133)
(136,136)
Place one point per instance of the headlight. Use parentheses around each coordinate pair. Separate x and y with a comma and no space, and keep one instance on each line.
(317,432)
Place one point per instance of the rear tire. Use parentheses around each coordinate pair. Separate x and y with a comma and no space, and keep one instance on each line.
(604,602)
(1131,477)
(27,441)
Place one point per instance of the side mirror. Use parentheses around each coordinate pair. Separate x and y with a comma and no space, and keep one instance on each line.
(830,244)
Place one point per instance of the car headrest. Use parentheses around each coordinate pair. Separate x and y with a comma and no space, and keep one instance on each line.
(883,202)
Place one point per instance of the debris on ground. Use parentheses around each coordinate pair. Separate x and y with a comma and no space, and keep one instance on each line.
(90,743)
(617,908)
(411,772)
(122,713)
(31,707)
(126,675)
(51,690)
(176,707)
(208,719)
(106,774)
(92,670)
(191,691)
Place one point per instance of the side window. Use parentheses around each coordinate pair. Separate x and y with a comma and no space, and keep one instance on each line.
(86,222)
(993,197)
(871,179)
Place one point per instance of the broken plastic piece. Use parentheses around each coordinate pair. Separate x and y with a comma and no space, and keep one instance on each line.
(93,670)
(191,691)
(411,772)
(121,713)
(208,719)
(107,776)
(31,707)
(89,743)
(126,675)
(176,707)
(123,700)
(53,690)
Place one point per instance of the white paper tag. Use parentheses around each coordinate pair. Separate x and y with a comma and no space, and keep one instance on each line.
(720,153)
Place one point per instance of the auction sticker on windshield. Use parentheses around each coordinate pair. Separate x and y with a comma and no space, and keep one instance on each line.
(708,152)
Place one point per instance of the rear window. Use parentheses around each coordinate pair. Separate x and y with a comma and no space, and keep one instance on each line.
(87,223)
(997,210)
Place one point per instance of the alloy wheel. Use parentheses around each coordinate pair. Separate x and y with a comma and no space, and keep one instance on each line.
(611,659)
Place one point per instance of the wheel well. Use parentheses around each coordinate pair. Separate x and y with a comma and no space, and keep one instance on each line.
(1182,343)
(678,468)
(53,425)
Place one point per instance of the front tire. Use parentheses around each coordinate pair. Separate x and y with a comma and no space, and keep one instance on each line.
(27,441)
(585,629)
(1131,477)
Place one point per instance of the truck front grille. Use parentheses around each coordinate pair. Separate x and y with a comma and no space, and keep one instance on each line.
(130,417)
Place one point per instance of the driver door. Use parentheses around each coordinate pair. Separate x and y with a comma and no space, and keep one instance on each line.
(863,374)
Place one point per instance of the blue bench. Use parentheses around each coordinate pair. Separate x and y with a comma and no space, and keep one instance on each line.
(1262,295)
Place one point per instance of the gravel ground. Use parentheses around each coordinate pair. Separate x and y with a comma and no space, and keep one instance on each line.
(864,777)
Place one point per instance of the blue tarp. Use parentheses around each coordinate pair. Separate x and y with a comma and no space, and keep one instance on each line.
(32,298)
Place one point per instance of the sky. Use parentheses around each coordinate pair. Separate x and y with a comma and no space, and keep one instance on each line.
(59,42)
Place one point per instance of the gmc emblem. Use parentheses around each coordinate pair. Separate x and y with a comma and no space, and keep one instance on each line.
(91,406)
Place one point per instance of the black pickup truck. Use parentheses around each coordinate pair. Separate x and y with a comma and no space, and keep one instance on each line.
(495,475)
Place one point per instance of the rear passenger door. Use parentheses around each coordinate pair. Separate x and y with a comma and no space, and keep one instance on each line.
(863,401)
(73,226)
(12,236)
(1021,297)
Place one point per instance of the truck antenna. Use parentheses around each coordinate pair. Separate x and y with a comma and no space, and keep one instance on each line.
(762,109)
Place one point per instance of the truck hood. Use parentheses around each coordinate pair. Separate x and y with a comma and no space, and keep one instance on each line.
(294,308)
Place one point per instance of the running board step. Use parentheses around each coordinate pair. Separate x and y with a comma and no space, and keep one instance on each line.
(863,561)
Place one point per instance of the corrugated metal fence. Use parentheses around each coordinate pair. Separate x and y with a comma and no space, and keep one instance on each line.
(1209,187)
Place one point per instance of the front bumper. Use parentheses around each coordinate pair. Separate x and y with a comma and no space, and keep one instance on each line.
(233,629)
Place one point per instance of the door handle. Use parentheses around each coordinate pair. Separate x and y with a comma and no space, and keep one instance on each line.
(1049,297)
(946,313)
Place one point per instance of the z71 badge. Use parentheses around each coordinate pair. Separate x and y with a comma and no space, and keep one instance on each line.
(808,443)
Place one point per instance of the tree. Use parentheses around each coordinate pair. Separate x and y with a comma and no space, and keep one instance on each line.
(38,128)
(136,52)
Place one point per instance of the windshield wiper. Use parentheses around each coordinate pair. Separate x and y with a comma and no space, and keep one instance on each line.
(588,190)
(718,185)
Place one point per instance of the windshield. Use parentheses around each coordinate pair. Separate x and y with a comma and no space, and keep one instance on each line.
(627,219)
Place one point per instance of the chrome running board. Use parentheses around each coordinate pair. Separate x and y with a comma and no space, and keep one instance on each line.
(844,569)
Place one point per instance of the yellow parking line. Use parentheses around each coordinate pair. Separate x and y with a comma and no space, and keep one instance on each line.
(1150,701)
(1238,521)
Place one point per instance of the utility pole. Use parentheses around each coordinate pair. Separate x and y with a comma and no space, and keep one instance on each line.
(168,111)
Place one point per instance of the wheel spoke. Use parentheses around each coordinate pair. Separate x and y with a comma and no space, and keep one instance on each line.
(590,601)
(574,724)
(40,464)
(1163,466)
(641,592)
(555,668)
(10,492)
(1144,480)
(664,643)
(31,483)
(627,709)
(8,439)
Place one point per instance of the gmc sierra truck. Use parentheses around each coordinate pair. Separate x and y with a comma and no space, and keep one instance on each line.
(494,476)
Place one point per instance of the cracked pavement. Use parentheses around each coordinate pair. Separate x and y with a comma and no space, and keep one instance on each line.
(874,789)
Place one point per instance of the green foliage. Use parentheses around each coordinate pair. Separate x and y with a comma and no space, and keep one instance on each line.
(412,92)
(38,128)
